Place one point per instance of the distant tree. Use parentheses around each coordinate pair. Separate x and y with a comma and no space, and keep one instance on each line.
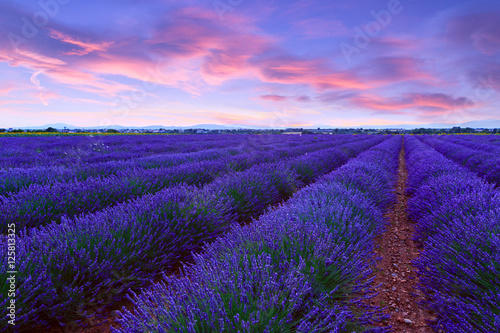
(17,131)
(2,130)
(495,130)
(51,130)
(111,130)
(307,132)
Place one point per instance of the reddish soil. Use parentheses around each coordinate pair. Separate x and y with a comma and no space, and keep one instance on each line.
(395,274)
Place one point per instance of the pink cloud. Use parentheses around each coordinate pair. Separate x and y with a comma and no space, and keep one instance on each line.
(223,49)
(30,59)
(314,73)
(61,72)
(228,51)
(441,101)
(83,48)
(273,98)
(118,64)
(6,88)
(280,98)
(428,103)
(396,69)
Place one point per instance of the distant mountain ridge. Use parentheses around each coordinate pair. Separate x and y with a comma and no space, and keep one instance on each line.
(488,123)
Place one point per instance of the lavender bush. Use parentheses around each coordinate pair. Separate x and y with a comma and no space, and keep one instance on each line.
(297,268)
(458,219)
(484,159)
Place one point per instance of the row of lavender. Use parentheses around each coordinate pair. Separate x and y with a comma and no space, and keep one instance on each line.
(66,267)
(482,158)
(481,139)
(39,204)
(71,151)
(478,142)
(14,179)
(55,151)
(458,222)
(80,162)
(302,267)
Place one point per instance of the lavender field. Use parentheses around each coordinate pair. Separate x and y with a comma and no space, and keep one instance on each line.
(246,233)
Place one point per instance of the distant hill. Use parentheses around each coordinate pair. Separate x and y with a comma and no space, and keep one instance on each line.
(488,123)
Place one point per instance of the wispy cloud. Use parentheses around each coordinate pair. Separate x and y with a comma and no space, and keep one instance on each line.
(82,48)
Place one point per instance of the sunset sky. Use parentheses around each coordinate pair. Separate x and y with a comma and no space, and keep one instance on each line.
(248,62)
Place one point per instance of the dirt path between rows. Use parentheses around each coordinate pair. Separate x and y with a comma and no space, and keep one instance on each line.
(395,274)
